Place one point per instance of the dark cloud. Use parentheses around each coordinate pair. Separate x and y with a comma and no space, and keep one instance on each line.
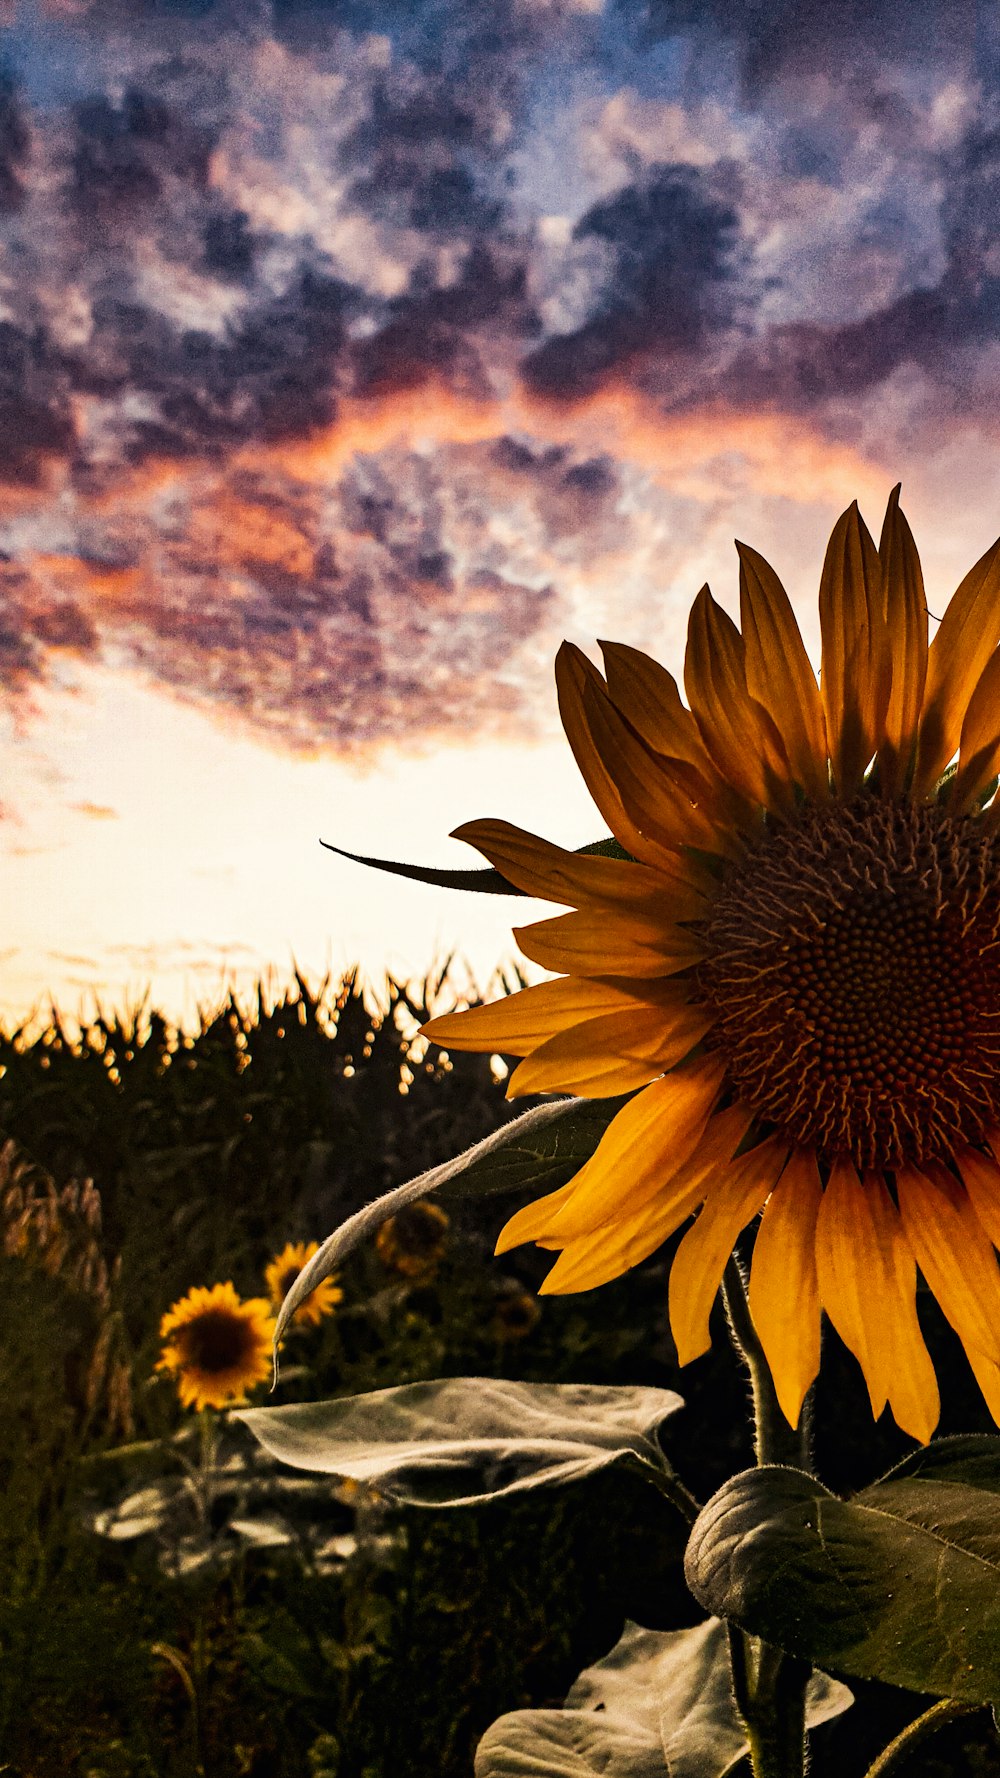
(271,376)
(776,38)
(673,243)
(940,330)
(230,247)
(432,330)
(36,419)
(124,152)
(15,144)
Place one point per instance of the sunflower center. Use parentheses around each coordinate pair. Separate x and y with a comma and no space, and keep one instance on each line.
(854,967)
(215,1341)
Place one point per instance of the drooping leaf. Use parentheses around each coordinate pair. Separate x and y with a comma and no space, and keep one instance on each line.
(660,1705)
(462,1440)
(542,1149)
(482,882)
(900,1583)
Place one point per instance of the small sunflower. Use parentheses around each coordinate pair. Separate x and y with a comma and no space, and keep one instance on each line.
(281,1275)
(515,1316)
(217,1346)
(792,962)
(412,1241)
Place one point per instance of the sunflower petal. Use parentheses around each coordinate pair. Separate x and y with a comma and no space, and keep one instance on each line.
(987,1375)
(979,745)
(737,731)
(532,1221)
(856,675)
(905,606)
(784,1294)
(625,1241)
(574,673)
(778,671)
(849,1258)
(644,1146)
(981,1178)
(667,799)
(592,943)
(969,632)
(913,1390)
(648,697)
(578,879)
(954,1253)
(614,1053)
(701,1258)
(517,1024)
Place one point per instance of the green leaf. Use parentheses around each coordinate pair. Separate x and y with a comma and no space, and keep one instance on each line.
(542,1149)
(900,1583)
(462,1440)
(482,882)
(660,1705)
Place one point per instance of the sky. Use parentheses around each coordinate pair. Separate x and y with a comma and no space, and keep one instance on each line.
(353,354)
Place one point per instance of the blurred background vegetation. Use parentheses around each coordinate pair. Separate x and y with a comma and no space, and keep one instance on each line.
(138,1161)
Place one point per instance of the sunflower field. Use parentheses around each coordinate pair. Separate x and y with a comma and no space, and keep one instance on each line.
(175,1604)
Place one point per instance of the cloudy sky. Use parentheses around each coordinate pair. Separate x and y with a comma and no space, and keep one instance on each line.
(352,354)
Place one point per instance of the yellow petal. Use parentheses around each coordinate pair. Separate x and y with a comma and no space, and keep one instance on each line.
(532,1221)
(856,675)
(979,746)
(850,1268)
(969,632)
(648,697)
(614,1053)
(644,1145)
(913,1390)
(778,671)
(784,1294)
(517,1024)
(981,1177)
(583,879)
(737,731)
(625,1241)
(954,1253)
(700,1261)
(592,943)
(574,672)
(987,1375)
(667,799)
(905,607)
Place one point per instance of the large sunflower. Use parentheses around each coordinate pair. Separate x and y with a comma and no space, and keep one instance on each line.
(216,1345)
(797,961)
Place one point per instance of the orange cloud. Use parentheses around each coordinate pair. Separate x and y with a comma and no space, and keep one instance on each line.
(782,454)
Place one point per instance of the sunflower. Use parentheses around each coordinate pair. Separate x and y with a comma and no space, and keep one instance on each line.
(412,1241)
(791,961)
(216,1346)
(282,1273)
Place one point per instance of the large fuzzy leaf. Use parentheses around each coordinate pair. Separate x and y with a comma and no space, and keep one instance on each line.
(660,1705)
(462,1440)
(901,1583)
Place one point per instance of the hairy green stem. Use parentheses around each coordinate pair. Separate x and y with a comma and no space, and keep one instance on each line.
(774,1440)
(898,1751)
(769,1686)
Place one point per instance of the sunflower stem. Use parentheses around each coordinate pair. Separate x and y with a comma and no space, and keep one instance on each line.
(898,1751)
(774,1440)
(769,1686)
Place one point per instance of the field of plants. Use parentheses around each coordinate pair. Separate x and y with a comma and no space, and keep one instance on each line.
(175,1605)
